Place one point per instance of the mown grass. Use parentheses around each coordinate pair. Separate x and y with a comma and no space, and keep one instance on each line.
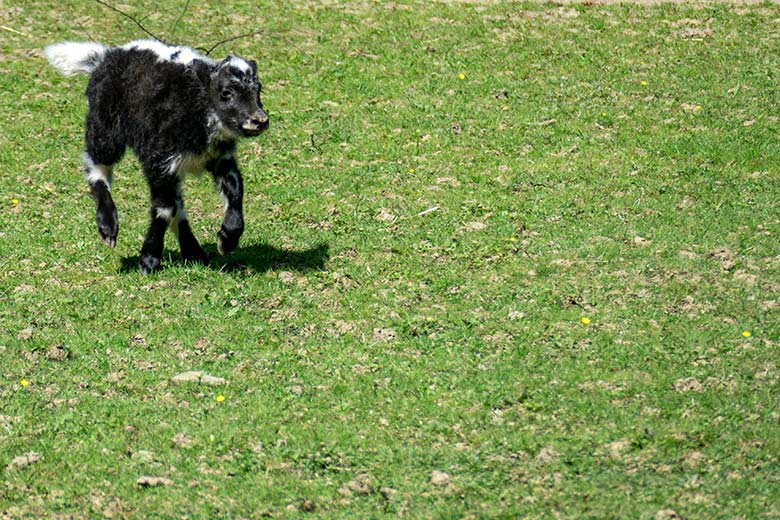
(618,163)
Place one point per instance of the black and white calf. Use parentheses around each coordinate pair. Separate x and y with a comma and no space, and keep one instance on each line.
(181,113)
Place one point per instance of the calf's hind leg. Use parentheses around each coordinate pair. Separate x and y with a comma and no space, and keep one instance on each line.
(99,177)
(190,248)
(104,147)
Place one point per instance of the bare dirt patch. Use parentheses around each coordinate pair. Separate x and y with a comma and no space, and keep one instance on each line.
(547,455)
(384,335)
(688,384)
(197,376)
(56,353)
(440,478)
(147,482)
(23,461)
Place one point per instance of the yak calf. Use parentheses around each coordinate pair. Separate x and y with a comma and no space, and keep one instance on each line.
(181,113)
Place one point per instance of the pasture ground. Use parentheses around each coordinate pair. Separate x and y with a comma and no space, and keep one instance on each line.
(502,260)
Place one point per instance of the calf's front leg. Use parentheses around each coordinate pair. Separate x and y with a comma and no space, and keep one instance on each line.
(227,180)
(163,192)
(168,211)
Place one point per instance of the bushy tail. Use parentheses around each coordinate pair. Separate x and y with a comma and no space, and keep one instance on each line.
(72,57)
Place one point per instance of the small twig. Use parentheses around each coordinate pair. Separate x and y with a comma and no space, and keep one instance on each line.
(173,28)
(3,27)
(181,15)
(548,122)
(131,18)
(84,29)
(208,51)
(429,210)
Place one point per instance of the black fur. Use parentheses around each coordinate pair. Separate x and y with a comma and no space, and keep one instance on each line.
(178,117)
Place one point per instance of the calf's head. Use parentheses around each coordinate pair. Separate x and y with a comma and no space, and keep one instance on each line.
(235,96)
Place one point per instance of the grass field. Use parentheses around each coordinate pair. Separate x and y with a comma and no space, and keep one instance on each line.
(501,261)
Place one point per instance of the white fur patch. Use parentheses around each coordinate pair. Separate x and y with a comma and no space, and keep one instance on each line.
(173,164)
(239,63)
(225,201)
(218,131)
(230,174)
(97,172)
(191,164)
(188,164)
(72,57)
(165,213)
(174,54)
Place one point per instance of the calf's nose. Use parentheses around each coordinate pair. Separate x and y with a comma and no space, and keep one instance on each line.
(256,123)
(259,117)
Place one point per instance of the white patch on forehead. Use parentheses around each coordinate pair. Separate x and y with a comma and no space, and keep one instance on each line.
(177,54)
(240,64)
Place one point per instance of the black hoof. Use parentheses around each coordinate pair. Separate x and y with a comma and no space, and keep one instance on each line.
(227,241)
(108,226)
(197,256)
(149,264)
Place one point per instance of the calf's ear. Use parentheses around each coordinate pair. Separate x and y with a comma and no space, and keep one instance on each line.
(200,69)
(223,62)
(253,64)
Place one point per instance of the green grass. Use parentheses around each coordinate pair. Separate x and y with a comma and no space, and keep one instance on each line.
(365,345)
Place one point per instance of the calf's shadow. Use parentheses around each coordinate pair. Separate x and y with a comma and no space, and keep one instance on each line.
(250,259)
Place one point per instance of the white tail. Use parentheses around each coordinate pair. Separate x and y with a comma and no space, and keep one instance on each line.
(72,57)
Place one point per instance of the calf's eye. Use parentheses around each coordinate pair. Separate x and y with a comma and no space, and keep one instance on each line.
(225,95)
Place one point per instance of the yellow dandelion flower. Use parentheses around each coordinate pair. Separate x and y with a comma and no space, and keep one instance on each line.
(697,108)
(746,334)
(220,398)
(411,170)
(14,201)
(643,83)
(585,320)
(461,76)
(512,239)
(25,383)
(603,114)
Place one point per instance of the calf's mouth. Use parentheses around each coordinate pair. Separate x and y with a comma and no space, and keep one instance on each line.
(256,124)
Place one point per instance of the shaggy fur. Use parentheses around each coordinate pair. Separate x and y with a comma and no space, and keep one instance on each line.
(181,113)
